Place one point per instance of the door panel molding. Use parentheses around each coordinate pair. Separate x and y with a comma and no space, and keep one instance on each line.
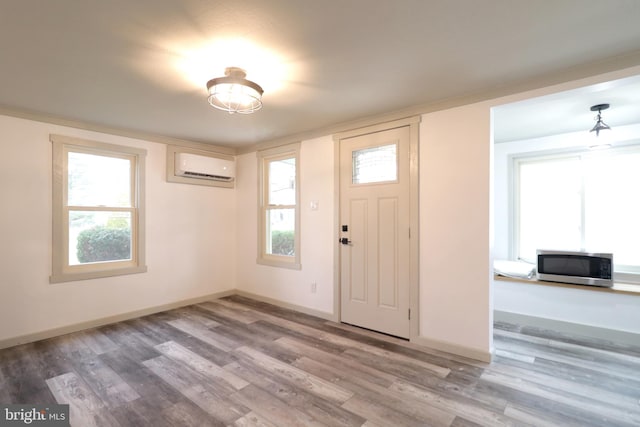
(388,239)
(358,210)
(413,124)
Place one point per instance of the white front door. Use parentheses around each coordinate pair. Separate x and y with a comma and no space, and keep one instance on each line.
(374,222)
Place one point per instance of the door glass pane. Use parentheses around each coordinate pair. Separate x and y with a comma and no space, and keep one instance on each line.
(99,236)
(550,206)
(98,180)
(376,164)
(280,238)
(282,181)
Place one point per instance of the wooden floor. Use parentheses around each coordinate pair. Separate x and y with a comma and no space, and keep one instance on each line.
(240,362)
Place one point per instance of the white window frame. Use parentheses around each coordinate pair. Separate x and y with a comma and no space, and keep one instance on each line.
(264,157)
(630,274)
(62,271)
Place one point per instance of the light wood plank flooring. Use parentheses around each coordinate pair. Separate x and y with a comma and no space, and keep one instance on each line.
(239,362)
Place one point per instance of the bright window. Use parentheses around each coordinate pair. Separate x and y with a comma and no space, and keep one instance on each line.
(98,209)
(377,164)
(583,201)
(279,194)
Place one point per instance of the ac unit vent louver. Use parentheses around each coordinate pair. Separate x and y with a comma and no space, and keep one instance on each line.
(207,176)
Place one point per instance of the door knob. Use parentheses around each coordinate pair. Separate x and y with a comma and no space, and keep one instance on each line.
(344,240)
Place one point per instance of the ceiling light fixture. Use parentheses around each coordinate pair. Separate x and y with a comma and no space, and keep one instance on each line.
(600,125)
(233,93)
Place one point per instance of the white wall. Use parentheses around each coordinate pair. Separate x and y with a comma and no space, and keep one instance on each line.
(455,292)
(190,239)
(618,312)
(317,233)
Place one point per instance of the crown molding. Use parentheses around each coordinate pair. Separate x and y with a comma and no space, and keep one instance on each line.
(127,133)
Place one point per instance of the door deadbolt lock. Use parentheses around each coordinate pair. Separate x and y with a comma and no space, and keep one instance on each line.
(344,240)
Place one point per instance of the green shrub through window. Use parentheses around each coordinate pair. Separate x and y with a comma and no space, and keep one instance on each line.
(100,243)
(282,243)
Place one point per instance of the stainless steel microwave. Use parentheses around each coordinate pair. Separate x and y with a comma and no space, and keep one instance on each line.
(582,268)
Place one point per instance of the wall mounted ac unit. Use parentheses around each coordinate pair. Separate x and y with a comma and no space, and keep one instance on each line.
(204,167)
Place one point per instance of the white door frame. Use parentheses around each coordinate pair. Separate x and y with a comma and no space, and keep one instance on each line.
(414,269)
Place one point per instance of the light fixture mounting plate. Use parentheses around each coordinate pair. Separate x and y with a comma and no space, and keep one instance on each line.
(599,107)
(236,72)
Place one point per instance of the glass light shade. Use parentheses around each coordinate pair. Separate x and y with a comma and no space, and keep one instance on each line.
(601,139)
(234,93)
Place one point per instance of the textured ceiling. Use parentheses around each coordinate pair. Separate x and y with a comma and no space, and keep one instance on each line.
(142,65)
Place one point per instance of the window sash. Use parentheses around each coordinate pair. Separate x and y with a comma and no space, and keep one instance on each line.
(268,193)
(265,160)
(132,202)
(103,265)
(623,272)
(268,233)
(62,270)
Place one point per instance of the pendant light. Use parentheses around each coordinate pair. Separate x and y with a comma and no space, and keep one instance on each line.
(600,125)
(600,141)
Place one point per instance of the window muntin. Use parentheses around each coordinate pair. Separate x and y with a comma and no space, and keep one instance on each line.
(98,210)
(581,201)
(279,230)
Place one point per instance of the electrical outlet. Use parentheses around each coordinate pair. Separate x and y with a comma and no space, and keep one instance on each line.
(313,287)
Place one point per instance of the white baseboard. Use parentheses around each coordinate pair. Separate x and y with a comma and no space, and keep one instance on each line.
(613,335)
(317,313)
(55,332)
(459,350)
(448,347)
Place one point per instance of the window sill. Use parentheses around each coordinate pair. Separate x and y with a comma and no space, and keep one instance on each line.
(72,277)
(618,288)
(280,264)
